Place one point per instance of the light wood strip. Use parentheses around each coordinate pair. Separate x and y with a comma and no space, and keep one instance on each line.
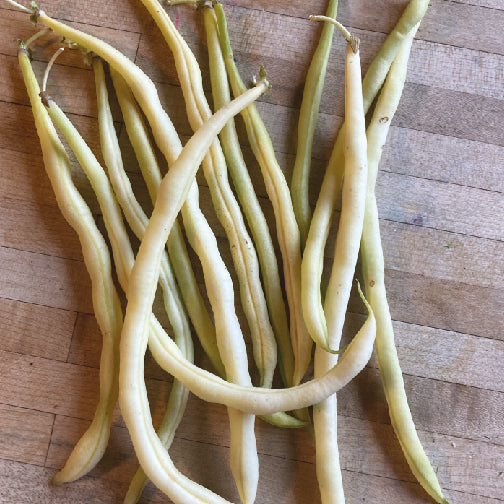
(42,384)
(35,330)
(443,304)
(448,207)
(444,158)
(37,228)
(24,434)
(45,280)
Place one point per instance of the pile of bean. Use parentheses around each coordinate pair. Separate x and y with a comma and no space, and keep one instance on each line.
(287,311)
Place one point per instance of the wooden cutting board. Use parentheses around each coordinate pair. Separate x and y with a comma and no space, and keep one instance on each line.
(440,196)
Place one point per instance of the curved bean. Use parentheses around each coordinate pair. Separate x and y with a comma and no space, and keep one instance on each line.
(91,446)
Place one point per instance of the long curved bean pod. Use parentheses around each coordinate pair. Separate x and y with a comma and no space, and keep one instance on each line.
(258,400)
(172,194)
(91,446)
(373,268)
(279,194)
(249,202)
(254,215)
(308,115)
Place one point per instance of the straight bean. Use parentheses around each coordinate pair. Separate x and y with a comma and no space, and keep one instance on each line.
(308,115)
(373,270)
(343,268)
(313,255)
(279,194)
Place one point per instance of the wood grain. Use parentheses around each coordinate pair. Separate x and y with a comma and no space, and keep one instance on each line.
(441,201)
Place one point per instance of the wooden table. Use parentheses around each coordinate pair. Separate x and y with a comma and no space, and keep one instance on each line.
(440,195)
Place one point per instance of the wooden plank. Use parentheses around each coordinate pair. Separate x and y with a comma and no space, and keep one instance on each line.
(37,228)
(41,384)
(435,113)
(114,15)
(24,434)
(458,161)
(35,330)
(45,280)
(19,480)
(433,253)
(441,355)
(444,304)
(474,413)
(24,177)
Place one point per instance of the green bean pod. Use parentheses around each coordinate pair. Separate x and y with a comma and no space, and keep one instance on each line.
(373,268)
(308,115)
(91,446)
